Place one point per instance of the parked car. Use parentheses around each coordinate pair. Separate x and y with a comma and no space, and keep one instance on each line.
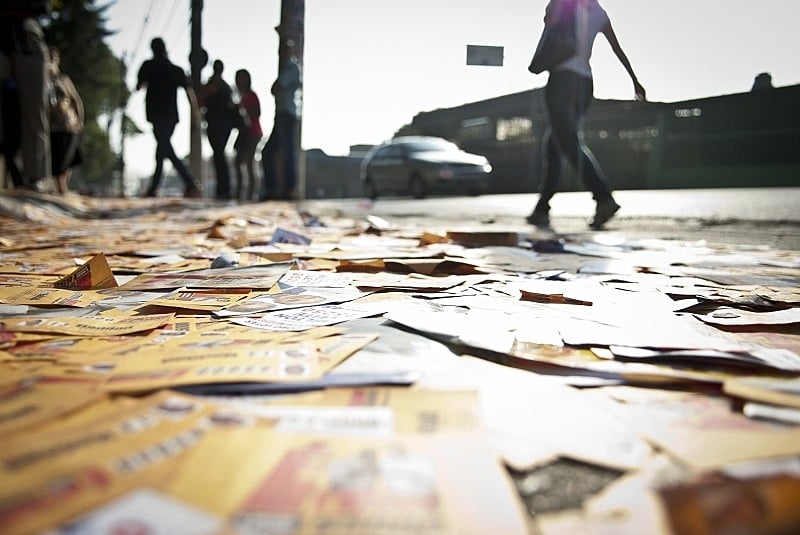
(423,165)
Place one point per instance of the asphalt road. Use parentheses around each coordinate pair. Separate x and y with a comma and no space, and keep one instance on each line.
(744,216)
(754,217)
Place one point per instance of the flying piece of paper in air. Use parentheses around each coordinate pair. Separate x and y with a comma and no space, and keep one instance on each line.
(485,55)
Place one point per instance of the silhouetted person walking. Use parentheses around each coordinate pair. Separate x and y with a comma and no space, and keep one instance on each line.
(162,79)
(216,98)
(22,43)
(249,136)
(568,95)
(66,123)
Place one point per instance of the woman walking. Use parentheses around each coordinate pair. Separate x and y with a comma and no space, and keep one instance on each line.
(249,136)
(66,123)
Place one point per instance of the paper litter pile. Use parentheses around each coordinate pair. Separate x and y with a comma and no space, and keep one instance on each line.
(259,369)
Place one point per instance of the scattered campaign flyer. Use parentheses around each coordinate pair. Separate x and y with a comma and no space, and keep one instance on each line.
(95,274)
(269,368)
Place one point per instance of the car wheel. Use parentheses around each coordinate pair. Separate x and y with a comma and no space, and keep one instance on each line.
(370,189)
(417,186)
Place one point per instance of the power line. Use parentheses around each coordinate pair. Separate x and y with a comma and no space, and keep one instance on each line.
(145,21)
(181,32)
(170,16)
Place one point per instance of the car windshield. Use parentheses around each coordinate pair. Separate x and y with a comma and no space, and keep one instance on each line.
(429,145)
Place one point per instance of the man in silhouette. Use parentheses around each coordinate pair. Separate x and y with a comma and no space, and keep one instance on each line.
(220,110)
(162,79)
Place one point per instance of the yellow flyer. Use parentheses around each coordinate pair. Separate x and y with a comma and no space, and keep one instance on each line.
(32,295)
(26,279)
(200,299)
(215,360)
(414,411)
(73,350)
(93,275)
(179,337)
(34,400)
(105,408)
(10,339)
(54,481)
(41,266)
(316,484)
(48,500)
(88,326)
(155,264)
(255,259)
(252,277)
(189,324)
(98,430)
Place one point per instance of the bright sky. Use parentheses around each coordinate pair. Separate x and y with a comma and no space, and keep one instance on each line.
(371,65)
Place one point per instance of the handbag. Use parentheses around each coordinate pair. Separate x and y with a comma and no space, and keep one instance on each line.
(557,42)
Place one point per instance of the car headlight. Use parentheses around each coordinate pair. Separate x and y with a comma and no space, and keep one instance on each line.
(487,167)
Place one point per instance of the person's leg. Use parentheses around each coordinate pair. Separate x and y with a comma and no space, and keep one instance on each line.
(562,97)
(551,171)
(249,161)
(62,182)
(239,159)
(193,187)
(223,189)
(62,151)
(161,132)
(218,139)
(70,153)
(559,115)
(9,159)
(585,162)
(590,169)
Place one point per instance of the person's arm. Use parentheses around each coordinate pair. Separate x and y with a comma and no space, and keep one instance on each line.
(256,106)
(202,94)
(195,109)
(140,77)
(77,101)
(211,87)
(639,91)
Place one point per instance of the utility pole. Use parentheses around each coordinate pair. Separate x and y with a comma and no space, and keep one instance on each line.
(292,44)
(123,117)
(197,59)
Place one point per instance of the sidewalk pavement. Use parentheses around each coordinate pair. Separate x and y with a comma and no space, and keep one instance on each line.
(263,368)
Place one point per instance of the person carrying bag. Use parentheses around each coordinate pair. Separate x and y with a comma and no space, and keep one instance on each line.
(557,42)
(567,97)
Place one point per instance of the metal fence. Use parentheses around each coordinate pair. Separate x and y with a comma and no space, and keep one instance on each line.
(739,140)
(744,139)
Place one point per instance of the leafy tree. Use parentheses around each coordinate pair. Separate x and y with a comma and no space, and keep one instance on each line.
(78,29)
